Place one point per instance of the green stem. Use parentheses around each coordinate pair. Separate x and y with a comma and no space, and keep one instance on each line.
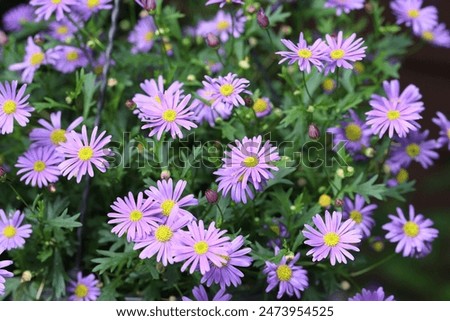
(271,41)
(220,58)
(306,87)
(19,197)
(373,266)
(337,77)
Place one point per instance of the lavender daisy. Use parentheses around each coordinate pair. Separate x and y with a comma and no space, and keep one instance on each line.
(4,274)
(230,182)
(262,107)
(222,3)
(12,232)
(200,294)
(223,26)
(143,35)
(81,154)
(444,125)
(34,58)
(204,112)
(438,36)
(67,59)
(411,235)
(86,8)
(401,175)
(226,90)
(290,278)
(84,288)
(342,53)
(13,106)
(360,214)
(201,247)
(14,19)
(45,8)
(333,238)
(39,166)
(63,30)
(367,295)
(410,96)
(411,13)
(344,6)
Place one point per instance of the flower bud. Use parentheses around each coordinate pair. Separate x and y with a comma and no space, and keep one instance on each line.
(212,40)
(130,104)
(148,5)
(262,19)
(211,196)
(165,174)
(248,101)
(338,202)
(52,188)
(313,131)
(2,174)
(3,38)
(26,277)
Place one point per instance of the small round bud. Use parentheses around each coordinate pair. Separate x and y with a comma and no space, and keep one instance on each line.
(112,82)
(338,202)
(340,173)
(172,298)
(51,188)
(212,40)
(310,109)
(165,174)
(68,100)
(244,64)
(3,38)
(211,196)
(251,9)
(38,39)
(26,277)
(345,285)
(313,131)
(262,19)
(369,152)
(130,104)
(286,30)
(350,169)
(248,101)
(191,77)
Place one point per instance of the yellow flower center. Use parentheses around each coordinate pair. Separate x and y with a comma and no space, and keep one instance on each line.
(428,35)
(85,153)
(62,30)
(81,290)
(166,207)
(402,176)
(169,115)
(353,132)
(413,150)
(324,200)
(304,53)
(9,231)
(37,58)
(93,3)
(226,90)
(448,133)
(411,229)
(223,25)
(356,216)
(163,233)
(331,239)
(98,70)
(39,166)
(284,272)
(72,55)
(378,246)
(56,1)
(393,114)
(201,247)
(250,161)
(58,136)
(260,105)
(275,229)
(358,67)
(413,13)
(136,216)
(328,84)
(149,36)
(9,107)
(337,54)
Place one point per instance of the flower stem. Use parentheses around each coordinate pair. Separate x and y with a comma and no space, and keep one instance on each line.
(19,197)
(306,87)
(373,266)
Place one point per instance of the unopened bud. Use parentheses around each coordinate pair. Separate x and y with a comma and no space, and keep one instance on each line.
(251,9)
(165,174)
(313,131)
(338,202)
(130,104)
(148,5)
(212,40)
(52,188)
(262,19)
(345,285)
(369,152)
(248,101)
(3,38)
(26,277)
(2,174)
(112,82)
(211,196)
(38,39)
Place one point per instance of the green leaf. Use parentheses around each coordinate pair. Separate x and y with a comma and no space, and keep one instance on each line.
(112,261)
(89,88)
(65,221)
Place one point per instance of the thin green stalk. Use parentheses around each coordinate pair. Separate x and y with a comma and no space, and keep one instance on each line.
(373,266)
(19,197)
(306,87)
(220,58)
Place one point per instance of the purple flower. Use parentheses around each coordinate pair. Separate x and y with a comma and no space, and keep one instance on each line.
(411,13)
(344,5)
(414,147)
(401,175)
(201,247)
(444,125)
(147,4)
(13,106)
(223,26)
(34,58)
(411,235)
(81,154)
(12,232)
(226,90)
(200,294)
(303,54)
(280,230)
(87,8)
(168,201)
(4,274)
(227,273)
(367,295)
(14,18)
(223,2)
(438,36)
(290,278)
(84,288)
(230,182)
(45,8)
(262,107)
(354,133)
(410,96)
(204,112)
(342,53)
(39,166)
(360,214)
(133,217)
(334,238)
(143,35)
(67,59)
(62,30)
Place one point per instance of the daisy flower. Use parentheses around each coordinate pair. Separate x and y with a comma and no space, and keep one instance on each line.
(410,96)
(291,279)
(303,54)
(52,134)
(13,106)
(45,8)
(400,175)
(4,274)
(168,201)
(133,217)
(367,295)
(39,166)
(84,288)
(222,3)
(230,182)
(411,13)
(332,238)
(223,26)
(438,36)
(63,30)
(81,153)
(444,133)
(262,107)
(227,273)
(342,53)
(34,58)
(142,37)
(360,214)
(15,18)
(411,235)
(226,90)
(201,247)
(67,59)
(12,232)
(344,5)
(200,294)
(204,112)
(87,8)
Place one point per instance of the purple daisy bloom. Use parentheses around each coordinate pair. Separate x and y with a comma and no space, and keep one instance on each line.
(45,8)
(67,59)
(52,134)
(223,26)
(168,201)
(411,96)
(81,154)
(303,54)
(230,182)
(400,174)
(227,90)
(412,235)
(280,230)
(162,240)
(290,278)
(200,294)
(262,107)
(334,238)
(344,5)
(360,214)
(204,112)
(133,217)
(414,147)
(143,35)
(83,288)
(34,58)
(367,295)
(438,36)
(14,18)
(86,8)
(223,2)
(12,232)
(63,30)
(4,274)
(201,247)
(13,106)
(354,133)
(227,273)
(444,125)
(39,166)
(342,53)
(411,13)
